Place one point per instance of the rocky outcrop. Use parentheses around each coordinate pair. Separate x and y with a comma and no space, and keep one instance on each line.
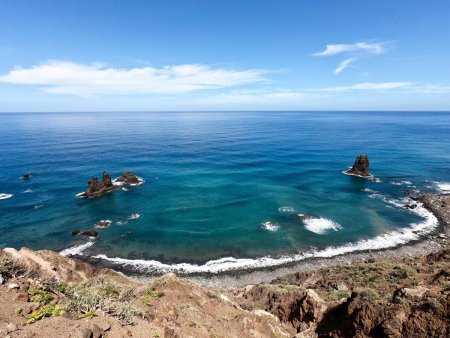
(129,178)
(98,188)
(360,167)
(89,233)
(107,183)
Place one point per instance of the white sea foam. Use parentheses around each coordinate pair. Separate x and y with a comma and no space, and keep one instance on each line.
(320,225)
(104,223)
(132,217)
(80,195)
(27,191)
(77,249)
(270,226)
(4,196)
(443,187)
(286,209)
(407,183)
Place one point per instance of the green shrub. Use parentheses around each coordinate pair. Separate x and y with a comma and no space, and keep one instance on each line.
(50,310)
(41,296)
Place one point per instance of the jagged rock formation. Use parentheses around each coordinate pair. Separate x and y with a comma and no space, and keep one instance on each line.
(360,167)
(107,180)
(97,188)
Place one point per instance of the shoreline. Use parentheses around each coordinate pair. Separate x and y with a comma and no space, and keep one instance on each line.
(429,243)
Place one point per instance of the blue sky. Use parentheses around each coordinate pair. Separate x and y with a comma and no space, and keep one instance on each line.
(224,55)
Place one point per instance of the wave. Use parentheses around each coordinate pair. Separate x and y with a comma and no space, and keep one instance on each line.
(270,226)
(286,209)
(5,196)
(130,218)
(77,249)
(27,191)
(320,225)
(443,186)
(370,178)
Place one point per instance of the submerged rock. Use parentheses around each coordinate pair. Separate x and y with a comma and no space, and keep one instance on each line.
(89,233)
(360,167)
(25,176)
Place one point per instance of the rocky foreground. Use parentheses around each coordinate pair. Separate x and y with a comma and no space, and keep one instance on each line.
(45,295)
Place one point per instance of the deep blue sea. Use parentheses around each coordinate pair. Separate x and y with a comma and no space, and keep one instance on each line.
(222,190)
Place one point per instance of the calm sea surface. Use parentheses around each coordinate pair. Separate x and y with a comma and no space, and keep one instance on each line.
(221,189)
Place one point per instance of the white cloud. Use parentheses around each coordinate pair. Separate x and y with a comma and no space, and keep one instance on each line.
(61,77)
(369,47)
(368,86)
(352,52)
(344,64)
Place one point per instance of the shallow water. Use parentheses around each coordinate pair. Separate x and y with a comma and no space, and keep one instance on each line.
(240,185)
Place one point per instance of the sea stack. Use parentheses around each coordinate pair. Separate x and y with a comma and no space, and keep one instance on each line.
(360,167)
(97,188)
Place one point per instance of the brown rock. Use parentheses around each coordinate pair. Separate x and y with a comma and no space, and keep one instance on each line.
(96,331)
(106,180)
(129,178)
(85,333)
(360,167)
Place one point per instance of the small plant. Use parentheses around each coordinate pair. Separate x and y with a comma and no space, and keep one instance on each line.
(146,301)
(62,287)
(152,293)
(41,296)
(50,310)
(18,311)
(155,334)
(89,314)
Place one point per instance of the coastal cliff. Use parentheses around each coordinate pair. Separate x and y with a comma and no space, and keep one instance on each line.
(43,294)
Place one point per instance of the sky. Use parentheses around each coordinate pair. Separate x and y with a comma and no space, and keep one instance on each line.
(184,55)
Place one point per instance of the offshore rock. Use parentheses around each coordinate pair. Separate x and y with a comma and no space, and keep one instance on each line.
(360,167)
(129,178)
(98,188)
(89,233)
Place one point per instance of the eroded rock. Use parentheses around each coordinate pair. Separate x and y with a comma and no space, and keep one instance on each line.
(360,167)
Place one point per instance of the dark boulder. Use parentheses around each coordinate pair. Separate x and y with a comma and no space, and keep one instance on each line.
(107,180)
(129,178)
(89,233)
(25,176)
(360,167)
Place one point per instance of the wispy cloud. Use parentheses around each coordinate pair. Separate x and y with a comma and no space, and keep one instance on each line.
(367,86)
(369,47)
(352,52)
(61,77)
(344,64)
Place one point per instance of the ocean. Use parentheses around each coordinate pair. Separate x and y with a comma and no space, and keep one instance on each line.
(223,190)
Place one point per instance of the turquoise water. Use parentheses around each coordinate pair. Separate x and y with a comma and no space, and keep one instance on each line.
(213,179)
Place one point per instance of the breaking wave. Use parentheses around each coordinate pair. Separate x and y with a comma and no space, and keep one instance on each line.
(320,225)
(270,226)
(5,196)
(77,249)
